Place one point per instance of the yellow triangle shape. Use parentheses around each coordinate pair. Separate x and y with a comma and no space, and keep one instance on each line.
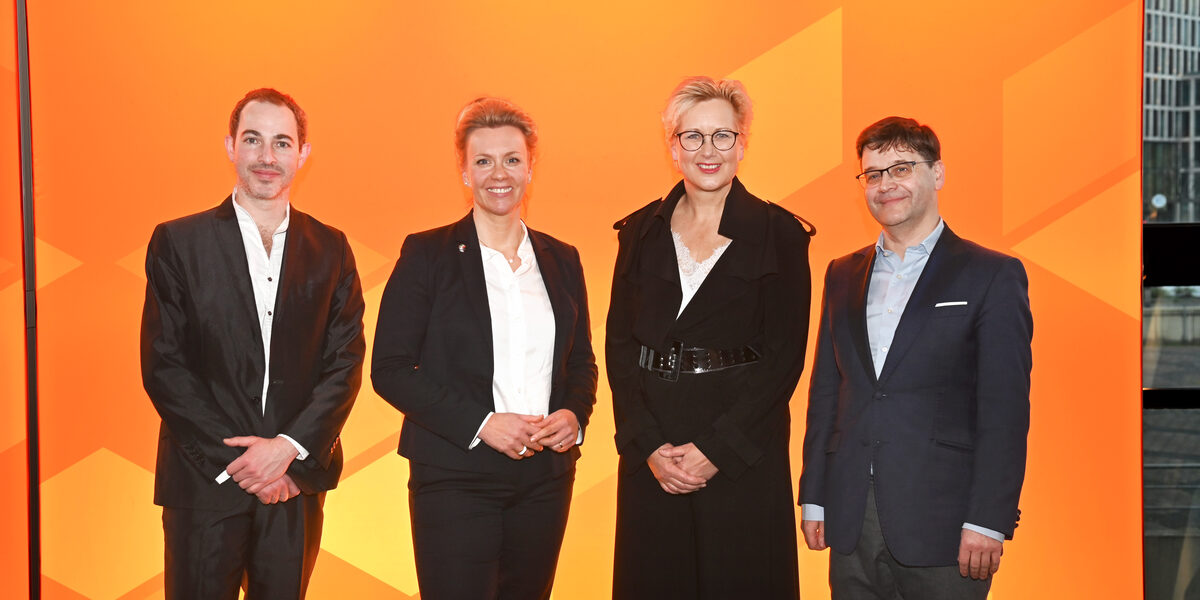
(135,262)
(1095,246)
(796,134)
(52,263)
(366,259)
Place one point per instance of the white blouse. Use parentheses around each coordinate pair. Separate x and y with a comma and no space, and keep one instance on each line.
(691,273)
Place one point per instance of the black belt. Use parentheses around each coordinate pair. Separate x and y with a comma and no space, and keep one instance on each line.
(694,360)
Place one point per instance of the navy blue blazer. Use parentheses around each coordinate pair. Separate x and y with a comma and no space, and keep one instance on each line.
(433,345)
(946,421)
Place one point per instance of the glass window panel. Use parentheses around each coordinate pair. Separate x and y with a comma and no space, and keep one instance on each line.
(1171,332)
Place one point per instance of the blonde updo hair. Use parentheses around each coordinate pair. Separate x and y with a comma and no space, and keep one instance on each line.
(491,113)
(694,90)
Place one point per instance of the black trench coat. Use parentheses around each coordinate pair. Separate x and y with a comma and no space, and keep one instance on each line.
(737,536)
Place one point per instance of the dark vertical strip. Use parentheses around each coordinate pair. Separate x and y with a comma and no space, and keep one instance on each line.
(27,237)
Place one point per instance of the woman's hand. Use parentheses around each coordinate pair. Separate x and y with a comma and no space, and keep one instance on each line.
(673,478)
(559,431)
(512,434)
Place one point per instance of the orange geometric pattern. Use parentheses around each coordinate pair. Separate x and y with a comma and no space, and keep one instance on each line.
(1036,104)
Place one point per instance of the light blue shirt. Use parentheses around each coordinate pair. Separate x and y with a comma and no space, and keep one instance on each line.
(892,281)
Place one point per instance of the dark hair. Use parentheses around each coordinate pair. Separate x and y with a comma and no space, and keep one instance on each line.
(492,113)
(900,133)
(270,96)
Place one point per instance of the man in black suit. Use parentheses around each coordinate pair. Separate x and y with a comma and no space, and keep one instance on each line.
(918,412)
(252,349)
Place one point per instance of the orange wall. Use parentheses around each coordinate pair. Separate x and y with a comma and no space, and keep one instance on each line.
(14,502)
(1037,104)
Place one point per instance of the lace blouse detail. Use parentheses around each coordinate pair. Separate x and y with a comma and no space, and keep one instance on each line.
(691,273)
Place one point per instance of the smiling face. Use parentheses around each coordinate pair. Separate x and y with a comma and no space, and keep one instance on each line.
(497,169)
(265,152)
(708,169)
(905,207)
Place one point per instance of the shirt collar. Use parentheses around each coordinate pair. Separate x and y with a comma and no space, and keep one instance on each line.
(243,216)
(926,245)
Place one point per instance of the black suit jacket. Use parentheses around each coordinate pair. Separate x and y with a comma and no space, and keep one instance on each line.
(433,345)
(202,354)
(946,421)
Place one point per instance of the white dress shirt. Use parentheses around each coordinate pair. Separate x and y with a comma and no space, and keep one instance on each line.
(264,278)
(522,333)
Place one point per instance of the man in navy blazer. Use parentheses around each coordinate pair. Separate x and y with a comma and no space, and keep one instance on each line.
(918,414)
(252,348)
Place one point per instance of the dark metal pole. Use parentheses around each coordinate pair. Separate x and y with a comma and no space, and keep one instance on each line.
(27,236)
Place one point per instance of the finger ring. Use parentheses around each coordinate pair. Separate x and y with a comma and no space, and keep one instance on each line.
(523,450)
(558,445)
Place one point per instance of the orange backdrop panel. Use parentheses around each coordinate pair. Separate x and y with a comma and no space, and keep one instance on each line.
(1036,103)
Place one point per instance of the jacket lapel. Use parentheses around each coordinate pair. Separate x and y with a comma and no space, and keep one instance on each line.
(233,252)
(944,264)
(242,306)
(565,310)
(860,282)
(470,262)
(744,221)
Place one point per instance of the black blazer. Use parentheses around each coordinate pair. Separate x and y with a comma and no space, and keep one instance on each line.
(757,294)
(433,345)
(946,421)
(202,358)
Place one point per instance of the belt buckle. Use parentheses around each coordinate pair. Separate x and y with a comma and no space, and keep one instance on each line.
(674,362)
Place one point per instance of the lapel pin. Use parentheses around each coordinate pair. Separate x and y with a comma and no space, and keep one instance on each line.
(462,248)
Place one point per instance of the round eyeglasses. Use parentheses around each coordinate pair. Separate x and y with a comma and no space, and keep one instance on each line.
(898,171)
(692,140)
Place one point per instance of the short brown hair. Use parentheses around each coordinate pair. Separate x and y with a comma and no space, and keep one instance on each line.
(492,113)
(694,90)
(900,133)
(270,96)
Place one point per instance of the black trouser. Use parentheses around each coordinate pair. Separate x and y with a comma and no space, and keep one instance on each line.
(488,535)
(272,548)
(870,572)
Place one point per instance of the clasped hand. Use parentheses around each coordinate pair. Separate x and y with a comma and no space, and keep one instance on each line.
(262,469)
(680,469)
(521,436)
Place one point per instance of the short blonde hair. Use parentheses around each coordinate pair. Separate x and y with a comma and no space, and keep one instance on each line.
(492,113)
(694,90)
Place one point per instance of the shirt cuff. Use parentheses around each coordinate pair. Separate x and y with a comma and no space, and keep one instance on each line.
(995,535)
(812,512)
(475,442)
(303,454)
(579,438)
(222,478)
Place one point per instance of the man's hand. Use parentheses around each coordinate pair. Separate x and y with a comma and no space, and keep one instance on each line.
(264,461)
(280,490)
(511,434)
(693,461)
(978,555)
(814,534)
(558,431)
(674,479)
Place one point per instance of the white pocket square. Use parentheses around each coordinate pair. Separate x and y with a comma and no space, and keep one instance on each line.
(958,303)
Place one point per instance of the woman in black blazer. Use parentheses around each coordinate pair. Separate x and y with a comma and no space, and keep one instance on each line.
(483,343)
(706,336)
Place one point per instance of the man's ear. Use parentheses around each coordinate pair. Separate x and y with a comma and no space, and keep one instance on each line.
(305,149)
